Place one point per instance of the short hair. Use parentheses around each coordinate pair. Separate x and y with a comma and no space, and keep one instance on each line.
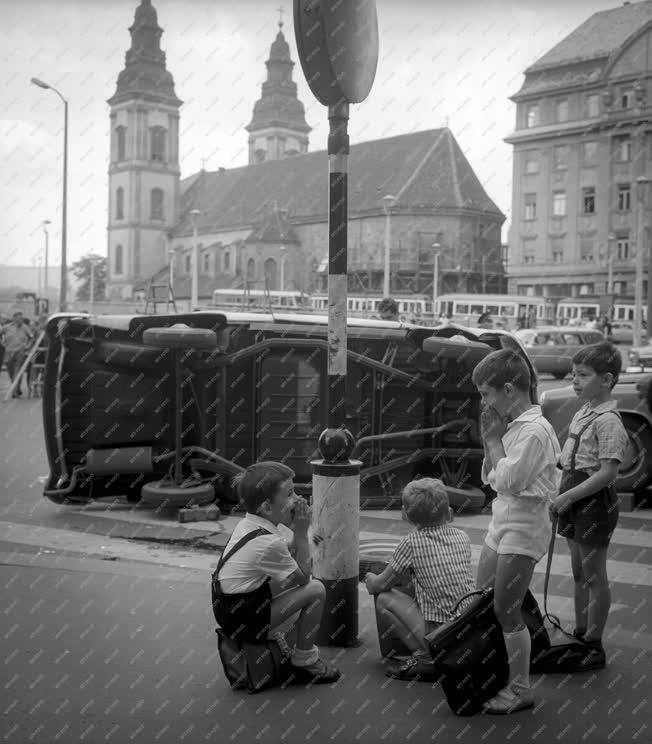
(388,305)
(259,482)
(18,312)
(501,367)
(425,501)
(601,358)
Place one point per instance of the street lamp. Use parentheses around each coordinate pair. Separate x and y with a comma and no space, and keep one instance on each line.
(194,294)
(641,187)
(45,224)
(388,201)
(435,278)
(92,299)
(610,263)
(282,250)
(64,210)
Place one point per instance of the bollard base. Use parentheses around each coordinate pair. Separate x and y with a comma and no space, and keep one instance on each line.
(339,623)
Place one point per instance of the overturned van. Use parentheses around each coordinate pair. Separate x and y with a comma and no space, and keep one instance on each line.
(261,394)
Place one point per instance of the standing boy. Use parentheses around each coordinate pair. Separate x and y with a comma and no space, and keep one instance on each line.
(17,339)
(588,504)
(521,455)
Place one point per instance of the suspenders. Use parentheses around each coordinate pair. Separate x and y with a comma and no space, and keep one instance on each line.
(577,437)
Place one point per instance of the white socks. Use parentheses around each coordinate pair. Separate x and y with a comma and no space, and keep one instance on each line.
(302,658)
(519,646)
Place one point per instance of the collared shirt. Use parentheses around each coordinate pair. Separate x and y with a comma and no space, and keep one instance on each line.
(605,439)
(439,559)
(529,469)
(16,338)
(266,555)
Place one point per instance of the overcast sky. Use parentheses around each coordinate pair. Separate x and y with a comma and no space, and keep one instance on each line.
(440,60)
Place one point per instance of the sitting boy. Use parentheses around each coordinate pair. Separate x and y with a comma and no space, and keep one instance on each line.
(266,581)
(438,558)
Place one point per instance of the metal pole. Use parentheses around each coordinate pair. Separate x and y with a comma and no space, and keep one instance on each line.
(195,270)
(63,298)
(387,239)
(46,288)
(435,283)
(641,189)
(484,274)
(648,318)
(92,303)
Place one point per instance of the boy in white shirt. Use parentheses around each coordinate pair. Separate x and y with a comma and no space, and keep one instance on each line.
(521,455)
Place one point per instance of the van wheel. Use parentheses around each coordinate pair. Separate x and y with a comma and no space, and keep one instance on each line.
(635,472)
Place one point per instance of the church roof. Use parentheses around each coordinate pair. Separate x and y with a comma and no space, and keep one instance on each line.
(274,227)
(580,58)
(145,74)
(421,169)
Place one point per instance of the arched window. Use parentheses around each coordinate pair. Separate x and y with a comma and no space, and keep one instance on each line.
(156,212)
(226,261)
(188,263)
(207,263)
(118,261)
(270,274)
(120,203)
(157,144)
(121,143)
(251,268)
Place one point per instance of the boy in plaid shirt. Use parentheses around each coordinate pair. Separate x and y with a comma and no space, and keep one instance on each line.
(438,559)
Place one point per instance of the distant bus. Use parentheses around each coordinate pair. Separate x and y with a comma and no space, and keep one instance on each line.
(365,306)
(505,310)
(575,310)
(259,299)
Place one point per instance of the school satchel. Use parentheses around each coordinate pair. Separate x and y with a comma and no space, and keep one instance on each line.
(469,651)
(247,665)
(254,666)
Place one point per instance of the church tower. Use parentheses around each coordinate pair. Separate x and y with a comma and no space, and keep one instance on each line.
(144,161)
(278,128)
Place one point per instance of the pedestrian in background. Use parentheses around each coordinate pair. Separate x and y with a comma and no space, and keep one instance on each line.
(17,338)
(388,309)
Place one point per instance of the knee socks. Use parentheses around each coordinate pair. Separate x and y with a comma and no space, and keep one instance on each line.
(518,645)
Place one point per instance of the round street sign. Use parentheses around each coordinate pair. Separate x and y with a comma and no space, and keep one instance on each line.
(337,42)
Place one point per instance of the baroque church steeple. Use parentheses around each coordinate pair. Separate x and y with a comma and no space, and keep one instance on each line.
(144,159)
(278,128)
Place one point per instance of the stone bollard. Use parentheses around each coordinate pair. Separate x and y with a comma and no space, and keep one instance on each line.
(336,518)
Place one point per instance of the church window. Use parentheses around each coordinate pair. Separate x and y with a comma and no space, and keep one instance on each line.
(121,142)
(270,274)
(226,261)
(260,155)
(118,261)
(251,268)
(188,262)
(156,210)
(207,263)
(157,144)
(120,203)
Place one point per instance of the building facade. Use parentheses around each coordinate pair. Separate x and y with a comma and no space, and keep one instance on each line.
(265,225)
(583,137)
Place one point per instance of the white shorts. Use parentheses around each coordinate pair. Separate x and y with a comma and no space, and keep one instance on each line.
(520,529)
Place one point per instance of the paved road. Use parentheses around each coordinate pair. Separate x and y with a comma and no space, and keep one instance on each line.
(107,634)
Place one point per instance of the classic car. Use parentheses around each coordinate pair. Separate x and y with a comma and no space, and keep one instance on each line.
(633,394)
(552,348)
(622,332)
(639,358)
(263,393)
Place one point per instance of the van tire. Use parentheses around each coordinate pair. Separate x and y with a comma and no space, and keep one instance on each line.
(639,473)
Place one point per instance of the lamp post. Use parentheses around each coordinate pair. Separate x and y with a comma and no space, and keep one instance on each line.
(63,300)
(610,263)
(194,294)
(641,244)
(388,201)
(92,292)
(282,250)
(46,288)
(435,278)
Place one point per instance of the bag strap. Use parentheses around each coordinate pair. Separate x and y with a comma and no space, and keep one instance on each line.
(241,543)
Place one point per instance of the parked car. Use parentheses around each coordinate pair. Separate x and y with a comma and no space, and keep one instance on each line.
(109,413)
(633,395)
(551,348)
(640,358)
(622,332)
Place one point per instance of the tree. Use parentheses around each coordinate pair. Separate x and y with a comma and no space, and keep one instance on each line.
(82,271)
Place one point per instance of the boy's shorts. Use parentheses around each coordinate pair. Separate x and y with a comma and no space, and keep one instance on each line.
(591,521)
(518,530)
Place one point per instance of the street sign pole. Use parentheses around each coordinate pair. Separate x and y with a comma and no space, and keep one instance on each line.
(337,43)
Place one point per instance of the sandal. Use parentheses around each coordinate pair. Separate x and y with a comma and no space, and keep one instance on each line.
(319,673)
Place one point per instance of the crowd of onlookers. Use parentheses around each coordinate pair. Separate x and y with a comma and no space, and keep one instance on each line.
(17,336)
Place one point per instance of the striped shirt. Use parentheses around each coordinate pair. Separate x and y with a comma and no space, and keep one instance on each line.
(605,439)
(439,559)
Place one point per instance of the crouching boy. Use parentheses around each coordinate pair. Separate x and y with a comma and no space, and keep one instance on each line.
(263,583)
(437,557)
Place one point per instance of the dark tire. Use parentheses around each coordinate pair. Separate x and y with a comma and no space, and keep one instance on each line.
(636,470)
